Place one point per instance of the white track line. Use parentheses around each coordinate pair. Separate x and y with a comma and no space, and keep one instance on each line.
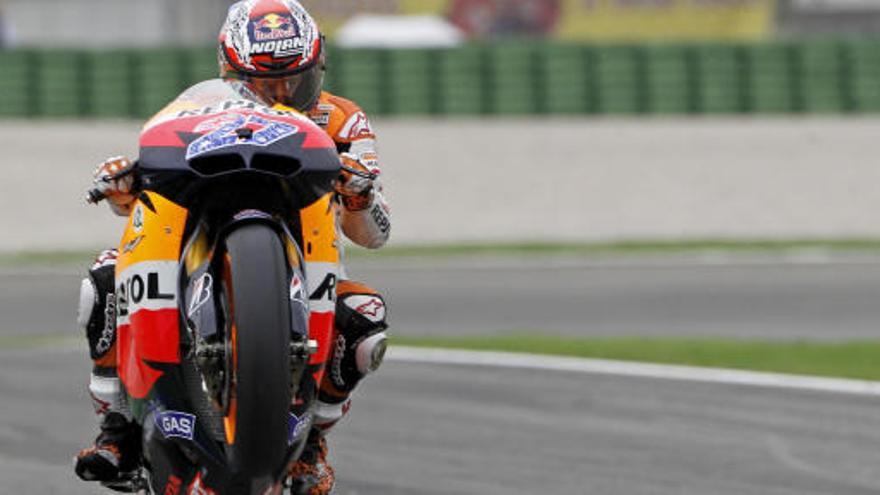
(632,369)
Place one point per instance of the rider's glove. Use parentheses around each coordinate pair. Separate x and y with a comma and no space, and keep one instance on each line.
(355,192)
(118,191)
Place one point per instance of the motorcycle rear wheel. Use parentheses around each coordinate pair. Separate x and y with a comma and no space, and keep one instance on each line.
(257,290)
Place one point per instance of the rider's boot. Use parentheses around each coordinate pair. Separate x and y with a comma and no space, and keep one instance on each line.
(312,474)
(116,451)
(358,351)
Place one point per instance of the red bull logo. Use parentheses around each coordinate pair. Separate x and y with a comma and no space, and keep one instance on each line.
(274,27)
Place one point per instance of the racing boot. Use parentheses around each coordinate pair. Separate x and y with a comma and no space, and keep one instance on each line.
(115,453)
(312,474)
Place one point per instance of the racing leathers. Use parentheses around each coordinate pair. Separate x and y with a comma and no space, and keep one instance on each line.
(360,324)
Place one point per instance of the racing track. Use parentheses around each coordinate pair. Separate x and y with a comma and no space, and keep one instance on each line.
(436,429)
(801,297)
(451,429)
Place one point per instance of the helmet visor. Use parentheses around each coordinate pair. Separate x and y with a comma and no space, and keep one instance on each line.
(299,91)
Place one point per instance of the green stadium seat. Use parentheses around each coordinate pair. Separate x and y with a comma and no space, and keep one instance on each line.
(618,79)
(863,59)
(515,71)
(509,78)
(110,84)
(770,84)
(820,77)
(60,85)
(720,75)
(16,89)
(566,82)
(668,79)
(463,81)
(410,83)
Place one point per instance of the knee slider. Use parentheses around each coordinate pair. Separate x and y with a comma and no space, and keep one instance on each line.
(97,307)
(370,353)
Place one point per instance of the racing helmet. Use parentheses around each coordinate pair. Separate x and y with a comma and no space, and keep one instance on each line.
(277,49)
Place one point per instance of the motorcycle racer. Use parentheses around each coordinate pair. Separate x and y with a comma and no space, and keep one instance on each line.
(271,53)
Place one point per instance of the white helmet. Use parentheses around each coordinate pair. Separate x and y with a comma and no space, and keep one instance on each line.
(276,46)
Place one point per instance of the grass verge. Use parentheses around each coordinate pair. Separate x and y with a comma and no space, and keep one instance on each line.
(624,248)
(855,359)
(627,248)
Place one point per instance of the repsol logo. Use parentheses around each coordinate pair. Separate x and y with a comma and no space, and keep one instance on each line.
(327,289)
(138,289)
(235,105)
(381,218)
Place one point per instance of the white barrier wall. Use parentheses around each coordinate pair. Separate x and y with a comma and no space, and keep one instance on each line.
(113,23)
(497,180)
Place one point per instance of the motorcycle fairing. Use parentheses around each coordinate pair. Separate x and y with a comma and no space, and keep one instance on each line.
(146,290)
(321,253)
(209,144)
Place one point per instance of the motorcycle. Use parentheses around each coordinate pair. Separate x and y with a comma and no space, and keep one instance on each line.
(225,295)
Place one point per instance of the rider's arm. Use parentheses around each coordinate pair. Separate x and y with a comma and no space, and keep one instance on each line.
(365,216)
(368,227)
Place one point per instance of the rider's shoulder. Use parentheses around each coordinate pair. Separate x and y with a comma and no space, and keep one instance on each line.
(338,103)
(342,118)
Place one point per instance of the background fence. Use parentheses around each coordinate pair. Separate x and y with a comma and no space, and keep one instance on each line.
(832,76)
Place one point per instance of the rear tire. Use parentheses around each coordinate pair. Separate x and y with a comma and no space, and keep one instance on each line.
(261,316)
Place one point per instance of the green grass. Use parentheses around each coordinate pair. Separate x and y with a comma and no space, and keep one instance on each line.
(856,359)
(623,248)
(634,247)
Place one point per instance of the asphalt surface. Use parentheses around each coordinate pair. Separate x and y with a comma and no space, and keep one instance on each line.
(434,429)
(749,298)
(743,298)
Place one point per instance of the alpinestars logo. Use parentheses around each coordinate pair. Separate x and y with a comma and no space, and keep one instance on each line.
(336,363)
(108,334)
(371,308)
